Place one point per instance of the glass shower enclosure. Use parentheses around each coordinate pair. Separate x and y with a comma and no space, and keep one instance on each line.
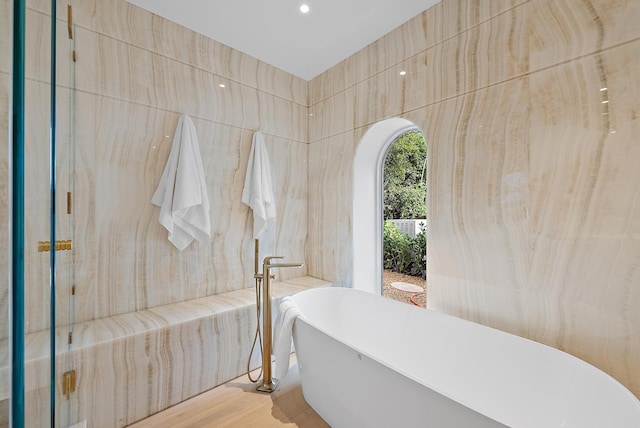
(37,289)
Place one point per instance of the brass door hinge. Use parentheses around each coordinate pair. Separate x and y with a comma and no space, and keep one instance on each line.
(69,383)
(70,21)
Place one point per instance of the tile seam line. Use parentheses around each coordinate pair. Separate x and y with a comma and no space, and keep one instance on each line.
(166,110)
(501,82)
(423,50)
(229,79)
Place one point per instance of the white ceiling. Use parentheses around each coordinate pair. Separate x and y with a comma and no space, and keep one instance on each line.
(276,32)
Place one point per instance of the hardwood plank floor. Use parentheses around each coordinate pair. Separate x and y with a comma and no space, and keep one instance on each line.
(238,404)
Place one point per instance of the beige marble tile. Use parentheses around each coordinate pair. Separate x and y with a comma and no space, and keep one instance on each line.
(584,216)
(136,266)
(132,365)
(450,18)
(478,190)
(531,193)
(460,64)
(444,20)
(123,71)
(126,22)
(563,29)
(6,36)
(333,116)
(453,67)
(37,45)
(122,260)
(329,234)
(289,162)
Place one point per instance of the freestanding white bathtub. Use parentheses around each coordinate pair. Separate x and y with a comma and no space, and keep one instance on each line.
(369,361)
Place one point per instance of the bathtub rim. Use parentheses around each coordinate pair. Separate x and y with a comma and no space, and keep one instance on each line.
(438,389)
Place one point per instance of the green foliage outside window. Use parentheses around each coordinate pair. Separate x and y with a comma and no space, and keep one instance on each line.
(405,191)
(403,253)
(405,178)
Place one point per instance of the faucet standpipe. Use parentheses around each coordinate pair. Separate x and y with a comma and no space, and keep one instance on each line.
(269,383)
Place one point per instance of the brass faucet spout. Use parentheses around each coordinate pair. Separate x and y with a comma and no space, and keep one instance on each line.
(283,265)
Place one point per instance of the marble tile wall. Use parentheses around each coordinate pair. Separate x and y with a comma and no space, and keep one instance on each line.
(132,79)
(133,365)
(532,182)
(532,202)
(118,106)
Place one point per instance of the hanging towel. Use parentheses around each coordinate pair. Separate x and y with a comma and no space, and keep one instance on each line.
(283,333)
(182,192)
(258,190)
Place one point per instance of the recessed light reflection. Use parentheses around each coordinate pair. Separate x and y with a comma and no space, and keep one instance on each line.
(605,102)
(222,85)
(603,89)
(304,8)
(612,132)
(402,73)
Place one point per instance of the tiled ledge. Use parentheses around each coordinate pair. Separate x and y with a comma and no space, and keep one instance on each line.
(122,326)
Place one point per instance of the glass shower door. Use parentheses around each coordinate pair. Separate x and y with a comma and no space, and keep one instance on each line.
(36,215)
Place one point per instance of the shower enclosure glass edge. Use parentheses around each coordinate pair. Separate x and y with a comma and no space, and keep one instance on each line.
(17,217)
(52,220)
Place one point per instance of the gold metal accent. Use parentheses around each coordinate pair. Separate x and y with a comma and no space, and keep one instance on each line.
(69,383)
(70,21)
(73,56)
(70,338)
(73,290)
(68,202)
(60,246)
(255,258)
(269,383)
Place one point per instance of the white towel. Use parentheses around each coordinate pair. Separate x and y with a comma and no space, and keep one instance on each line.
(283,333)
(258,190)
(182,192)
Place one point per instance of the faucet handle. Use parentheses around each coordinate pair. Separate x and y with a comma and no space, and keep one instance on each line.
(268,259)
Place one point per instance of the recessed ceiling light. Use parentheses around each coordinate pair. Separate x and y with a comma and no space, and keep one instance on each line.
(304,8)
(603,89)
(222,85)
(402,73)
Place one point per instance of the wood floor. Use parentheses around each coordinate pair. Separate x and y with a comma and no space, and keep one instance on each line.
(238,404)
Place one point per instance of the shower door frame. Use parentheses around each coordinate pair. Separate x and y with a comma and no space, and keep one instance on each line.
(17,219)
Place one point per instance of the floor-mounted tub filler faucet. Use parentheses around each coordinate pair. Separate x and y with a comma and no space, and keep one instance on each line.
(269,383)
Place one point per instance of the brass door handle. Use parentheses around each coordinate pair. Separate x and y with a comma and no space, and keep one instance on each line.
(60,246)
